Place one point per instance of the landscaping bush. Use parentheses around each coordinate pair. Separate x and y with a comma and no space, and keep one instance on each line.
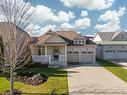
(38,64)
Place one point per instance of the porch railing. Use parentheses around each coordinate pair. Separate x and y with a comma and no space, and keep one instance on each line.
(41,58)
(47,58)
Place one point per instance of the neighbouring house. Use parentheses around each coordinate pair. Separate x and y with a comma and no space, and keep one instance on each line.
(111,45)
(63,47)
(18,34)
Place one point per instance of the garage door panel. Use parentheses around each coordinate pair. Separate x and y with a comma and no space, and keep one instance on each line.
(87,57)
(73,56)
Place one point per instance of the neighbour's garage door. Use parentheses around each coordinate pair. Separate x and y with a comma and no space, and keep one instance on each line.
(73,56)
(87,57)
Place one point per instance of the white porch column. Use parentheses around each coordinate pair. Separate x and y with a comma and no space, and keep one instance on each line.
(45,49)
(66,53)
(46,53)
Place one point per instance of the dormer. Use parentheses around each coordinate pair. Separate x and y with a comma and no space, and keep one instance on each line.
(79,39)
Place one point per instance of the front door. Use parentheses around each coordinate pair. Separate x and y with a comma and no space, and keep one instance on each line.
(56,52)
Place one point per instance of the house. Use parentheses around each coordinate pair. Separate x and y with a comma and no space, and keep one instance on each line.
(111,45)
(11,33)
(63,47)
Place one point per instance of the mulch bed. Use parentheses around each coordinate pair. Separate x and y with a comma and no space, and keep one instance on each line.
(30,78)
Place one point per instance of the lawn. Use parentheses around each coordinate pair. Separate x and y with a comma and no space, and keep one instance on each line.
(115,69)
(57,82)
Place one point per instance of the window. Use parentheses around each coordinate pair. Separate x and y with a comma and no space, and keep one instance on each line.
(79,42)
(111,51)
(41,50)
(120,51)
(83,42)
(107,51)
(75,42)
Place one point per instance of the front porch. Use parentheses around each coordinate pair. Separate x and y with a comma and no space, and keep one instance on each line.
(53,54)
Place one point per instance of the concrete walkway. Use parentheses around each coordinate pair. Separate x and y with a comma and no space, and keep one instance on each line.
(122,63)
(94,80)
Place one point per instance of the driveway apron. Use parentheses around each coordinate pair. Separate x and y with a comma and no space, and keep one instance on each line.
(92,79)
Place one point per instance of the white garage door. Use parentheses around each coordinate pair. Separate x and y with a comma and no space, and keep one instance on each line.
(73,56)
(87,57)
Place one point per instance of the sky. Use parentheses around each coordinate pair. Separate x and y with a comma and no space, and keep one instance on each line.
(83,16)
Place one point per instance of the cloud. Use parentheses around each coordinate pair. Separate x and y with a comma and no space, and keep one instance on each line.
(112,19)
(89,4)
(33,27)
(82,23)
(109,26)
(38,30)
(63,16)
(84,13)
(111,15)
(43,13)
(47,27)
(66,26)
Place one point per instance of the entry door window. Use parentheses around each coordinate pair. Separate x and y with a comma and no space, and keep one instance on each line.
(56,52)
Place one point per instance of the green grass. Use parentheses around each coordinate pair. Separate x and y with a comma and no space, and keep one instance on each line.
(57,81)
(115,69)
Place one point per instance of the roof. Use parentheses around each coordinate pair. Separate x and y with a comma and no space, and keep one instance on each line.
(79,36)
(113,37)
(43,38)
(106,36)
(89,42)
(67,36)
(4,30)
(121,36)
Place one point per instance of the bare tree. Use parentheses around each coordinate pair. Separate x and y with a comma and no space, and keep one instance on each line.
(14,42)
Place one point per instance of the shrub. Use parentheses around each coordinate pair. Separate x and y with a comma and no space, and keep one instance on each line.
(38,64)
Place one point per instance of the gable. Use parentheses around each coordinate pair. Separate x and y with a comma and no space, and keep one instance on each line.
(106,36)
(97,38)
(55,39)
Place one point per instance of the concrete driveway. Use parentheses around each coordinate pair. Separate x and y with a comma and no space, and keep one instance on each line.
(91,79)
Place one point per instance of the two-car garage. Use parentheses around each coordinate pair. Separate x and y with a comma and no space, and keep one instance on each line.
(81,54)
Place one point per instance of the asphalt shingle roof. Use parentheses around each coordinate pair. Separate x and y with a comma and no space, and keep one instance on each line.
(106,36)
(68,36)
